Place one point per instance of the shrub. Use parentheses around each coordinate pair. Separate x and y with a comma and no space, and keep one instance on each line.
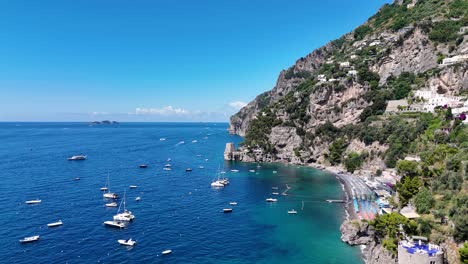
(424,201)
(353,162)
(444,31)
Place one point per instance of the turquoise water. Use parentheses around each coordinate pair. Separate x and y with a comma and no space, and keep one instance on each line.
(177,211)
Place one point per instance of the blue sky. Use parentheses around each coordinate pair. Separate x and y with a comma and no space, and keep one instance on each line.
(155,60)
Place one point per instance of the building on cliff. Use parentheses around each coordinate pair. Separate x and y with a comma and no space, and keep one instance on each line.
(419,253)
(230,152)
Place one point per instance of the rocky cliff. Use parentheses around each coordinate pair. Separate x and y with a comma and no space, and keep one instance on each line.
(341,84)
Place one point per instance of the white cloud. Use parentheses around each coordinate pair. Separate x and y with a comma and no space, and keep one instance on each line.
(165,111)
(237,104)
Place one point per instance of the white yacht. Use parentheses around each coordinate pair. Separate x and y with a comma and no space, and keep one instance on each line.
(33,201)
(128,242)
(201,167)
(166,252)
(167,169)
(233,203)
(113,204)
(29,239)
(162,139)
(133,186)
(234,170)
(108,194)
(252,170)
(217,184)
(58,223)
(138,199)
(275,193)
(168,165)
(227,210)
(117,224)
(104,189)
(125,215)
(292,211)
(78,157)
(271,200)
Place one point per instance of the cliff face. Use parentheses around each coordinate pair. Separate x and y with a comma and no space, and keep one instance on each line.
(332,84)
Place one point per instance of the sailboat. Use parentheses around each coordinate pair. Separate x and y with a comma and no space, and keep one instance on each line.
(125,215)
(108,194)
(219,183)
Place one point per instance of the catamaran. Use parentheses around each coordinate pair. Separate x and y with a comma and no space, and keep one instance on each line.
(125,215)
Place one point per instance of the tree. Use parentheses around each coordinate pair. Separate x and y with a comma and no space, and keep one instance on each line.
(424,201)
(408,168)
(407,188)
(336,151)
(464,253)
(353,162)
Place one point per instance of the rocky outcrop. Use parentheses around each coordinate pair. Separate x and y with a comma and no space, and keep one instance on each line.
(355,232)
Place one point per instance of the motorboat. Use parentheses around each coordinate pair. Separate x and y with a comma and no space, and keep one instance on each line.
(138,199)
(217,184)
(271,200)
(77,157)
(275,193)
(252,170)
(188,169)
(143,166)
(125,215)
(133,186)
(227,210)
(194,141)
(117,224)
(104,189)
(33,201)
(29,239)
(292,211)
(162,139)
(274,188)
(58,223)
(234,170)
(233,203)
(113,204)
(110,195)
(274,172)
(167,169)
(201,167)
(168,165)
(166,252)
(128,242)
(77,179)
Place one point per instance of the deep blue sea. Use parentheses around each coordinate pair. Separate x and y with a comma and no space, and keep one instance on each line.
(178,210)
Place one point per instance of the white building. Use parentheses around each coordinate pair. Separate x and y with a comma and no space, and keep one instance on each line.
(322,78)
(344,64)
(353,56)
(352,73)
(455,59)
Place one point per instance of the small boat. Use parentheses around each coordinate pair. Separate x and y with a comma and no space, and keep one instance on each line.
(33,201)
(292,211)
(217,184)
(271,200)
(128,242)
(233,203)
(274,188)
(194,141)
(274,172)
(201,167)
(113,204)
(188,169)
(133,186)
(104,189)
(117,224)
(234,170)
(166,252)
(77,157)
(227,210)
(77,179)
(109,195)
(275,193)
(168,165)
(252,170)
(58,223)
(167,169)
(143,166)
(138,199)
(29,239)
(162,139)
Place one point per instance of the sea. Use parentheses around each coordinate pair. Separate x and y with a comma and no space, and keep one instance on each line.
(178,210)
